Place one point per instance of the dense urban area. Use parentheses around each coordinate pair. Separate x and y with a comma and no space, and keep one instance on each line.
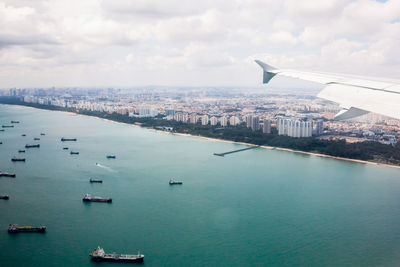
(294,119)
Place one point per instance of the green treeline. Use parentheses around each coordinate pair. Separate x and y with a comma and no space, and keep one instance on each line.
(372,151)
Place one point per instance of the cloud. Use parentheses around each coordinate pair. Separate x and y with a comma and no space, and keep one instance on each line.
(207,42)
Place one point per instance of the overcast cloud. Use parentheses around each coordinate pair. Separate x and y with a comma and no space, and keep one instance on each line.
(193,43)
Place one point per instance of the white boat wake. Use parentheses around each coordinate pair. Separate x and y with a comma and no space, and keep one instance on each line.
(105,167)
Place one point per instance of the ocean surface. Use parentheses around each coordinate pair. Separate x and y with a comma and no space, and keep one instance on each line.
(254,208)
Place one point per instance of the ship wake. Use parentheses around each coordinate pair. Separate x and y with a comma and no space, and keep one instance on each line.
(105,167)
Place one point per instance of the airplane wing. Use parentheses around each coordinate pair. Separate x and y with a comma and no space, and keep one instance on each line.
(356,95)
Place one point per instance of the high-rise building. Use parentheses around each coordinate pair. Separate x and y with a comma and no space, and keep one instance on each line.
(295,128)
(233,121)
(147,112)
(224,121)
(267,126)
(169,112)
(319,127)
(213,121)
(255,123)
(249,120)
(204,120)
(193,118)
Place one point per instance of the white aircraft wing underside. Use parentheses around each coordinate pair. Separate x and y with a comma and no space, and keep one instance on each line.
(357,95)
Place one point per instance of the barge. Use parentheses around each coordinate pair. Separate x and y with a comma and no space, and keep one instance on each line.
(18,159)
(31,146)
(89,198)
(172,182)
(4,174)
(99,255)
(92,180)
(67,139)
(6,197)
(14,228)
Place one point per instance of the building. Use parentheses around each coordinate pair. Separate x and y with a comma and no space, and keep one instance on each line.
(266,126)
(169,112)
(295,128)
(204,120)
(224,121)
(193,118)
(147,112)
(255,123)
(319,127)
(213,121)
(233,121)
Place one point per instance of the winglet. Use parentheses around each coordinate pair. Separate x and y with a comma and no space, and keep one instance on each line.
(268,71)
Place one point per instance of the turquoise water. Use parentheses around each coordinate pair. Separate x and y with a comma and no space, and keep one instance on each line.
(254,208)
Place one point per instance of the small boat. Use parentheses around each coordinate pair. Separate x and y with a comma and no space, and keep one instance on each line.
(111,156)
(89,198)
(65,148)
(74,153)
(4,174)
(6,197)
(14,228)
(31,146)
(92,180)
(99,255)
(21,151)
(68,139)
(172,182)
(14,121)
(36,138)
(42,134)
(23,134)
(18,159)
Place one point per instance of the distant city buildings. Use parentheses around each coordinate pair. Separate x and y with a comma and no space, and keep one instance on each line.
(295,128)
(266,126)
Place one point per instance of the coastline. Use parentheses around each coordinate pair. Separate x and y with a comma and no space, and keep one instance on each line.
(229,141)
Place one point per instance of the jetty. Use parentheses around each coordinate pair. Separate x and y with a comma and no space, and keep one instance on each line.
(235,151)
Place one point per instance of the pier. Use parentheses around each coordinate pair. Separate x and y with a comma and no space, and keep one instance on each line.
(235,151)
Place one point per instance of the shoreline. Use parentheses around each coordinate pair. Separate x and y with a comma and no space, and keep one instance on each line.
(229,141)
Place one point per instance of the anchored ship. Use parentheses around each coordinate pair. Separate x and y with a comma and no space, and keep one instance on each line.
(99,255)
(172,182)
(89,198)
(92,180)
(4,197)
(4,174)
(7,126)
(74,153)
(21,151)
(111,156)
(14,121)
(65,148)
(67,139)
(14,228)
(42,134)
(23,134)
(36,138)
(18,159)
(31,146)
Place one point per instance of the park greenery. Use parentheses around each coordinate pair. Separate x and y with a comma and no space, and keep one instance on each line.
(370,151)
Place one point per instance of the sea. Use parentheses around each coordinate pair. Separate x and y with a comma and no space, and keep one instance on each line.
(258,207)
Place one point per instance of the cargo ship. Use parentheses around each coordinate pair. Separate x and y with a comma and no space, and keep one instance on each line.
(21,151)
(172,182)
(18,159)
(4,174)
(14,121)
(6,197)
(42,134)
(1,130)
(7,126)
(111,156)
(89,198)
(65,148)
(67,139)
(99,255)
(92,180)
(36,138)
(31,146)
(14,228)
(23,134)
(74,153)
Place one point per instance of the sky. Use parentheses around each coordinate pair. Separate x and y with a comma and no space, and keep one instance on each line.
(127,43)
